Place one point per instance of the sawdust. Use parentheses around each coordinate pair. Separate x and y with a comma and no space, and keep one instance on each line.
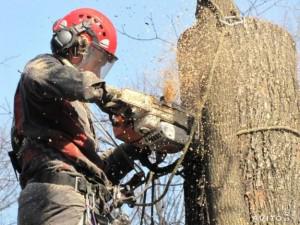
(168,75)
(170,86)
(169,90)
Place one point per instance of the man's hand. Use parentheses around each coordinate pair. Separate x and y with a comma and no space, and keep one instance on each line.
(119,161)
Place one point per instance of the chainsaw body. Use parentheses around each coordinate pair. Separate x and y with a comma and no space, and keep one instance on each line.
(145,121)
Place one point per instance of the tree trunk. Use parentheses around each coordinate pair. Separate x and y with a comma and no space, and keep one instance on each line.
(227,7)
(241,82)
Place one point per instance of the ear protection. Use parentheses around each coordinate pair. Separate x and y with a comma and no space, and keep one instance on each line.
(65,38)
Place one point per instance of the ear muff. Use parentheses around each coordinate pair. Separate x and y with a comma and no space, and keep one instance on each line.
(62,40)
(66,38)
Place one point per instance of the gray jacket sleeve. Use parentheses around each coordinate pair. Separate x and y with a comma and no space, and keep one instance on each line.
(46,77)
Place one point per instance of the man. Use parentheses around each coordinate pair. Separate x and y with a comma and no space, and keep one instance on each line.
(63,179)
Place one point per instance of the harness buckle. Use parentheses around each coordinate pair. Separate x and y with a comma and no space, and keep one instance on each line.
(77,179)
(90,200)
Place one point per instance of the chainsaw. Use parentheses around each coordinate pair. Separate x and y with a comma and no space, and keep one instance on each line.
(151,124)
(146,121)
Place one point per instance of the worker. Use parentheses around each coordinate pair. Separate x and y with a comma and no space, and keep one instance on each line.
(64,181)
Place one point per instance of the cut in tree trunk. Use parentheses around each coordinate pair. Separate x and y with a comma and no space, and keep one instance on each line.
(241,82)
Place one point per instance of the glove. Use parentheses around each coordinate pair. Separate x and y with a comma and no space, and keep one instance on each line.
(105,96)
(130,151)
(119,161)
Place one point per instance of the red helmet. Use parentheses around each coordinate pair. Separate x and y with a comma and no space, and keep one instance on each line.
(99,27)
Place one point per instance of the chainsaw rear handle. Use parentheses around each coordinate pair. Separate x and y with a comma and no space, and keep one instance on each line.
(114,92)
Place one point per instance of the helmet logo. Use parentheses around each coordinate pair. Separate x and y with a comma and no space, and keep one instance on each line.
(104,43)
(63,24)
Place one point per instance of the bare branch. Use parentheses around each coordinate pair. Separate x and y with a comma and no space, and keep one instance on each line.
(155,37)
(5,60)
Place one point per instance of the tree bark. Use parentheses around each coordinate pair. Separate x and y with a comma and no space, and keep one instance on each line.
(241,82)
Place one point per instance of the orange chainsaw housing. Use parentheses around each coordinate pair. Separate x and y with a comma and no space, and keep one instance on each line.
(124,131)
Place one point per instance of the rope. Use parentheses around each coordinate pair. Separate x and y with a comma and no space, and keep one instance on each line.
(211,72)
(270,128)
(143,209)
(152,199)
(231,20)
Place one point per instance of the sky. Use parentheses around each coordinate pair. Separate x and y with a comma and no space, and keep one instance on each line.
(26,32)
(26,28)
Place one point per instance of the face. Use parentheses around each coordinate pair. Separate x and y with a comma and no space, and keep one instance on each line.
(93,60)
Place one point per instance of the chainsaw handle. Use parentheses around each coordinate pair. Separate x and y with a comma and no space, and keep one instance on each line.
(114,92)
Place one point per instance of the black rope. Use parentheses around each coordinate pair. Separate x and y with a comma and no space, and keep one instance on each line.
(152,200)
(143,207)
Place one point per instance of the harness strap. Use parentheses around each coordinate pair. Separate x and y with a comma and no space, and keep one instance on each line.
(95,211)
(79,183)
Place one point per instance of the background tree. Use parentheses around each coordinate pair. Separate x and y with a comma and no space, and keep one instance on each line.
(8,182)
(239,76)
